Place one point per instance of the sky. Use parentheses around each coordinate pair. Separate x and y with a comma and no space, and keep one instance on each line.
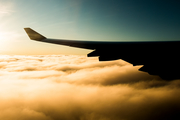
(43,81)
(96,20)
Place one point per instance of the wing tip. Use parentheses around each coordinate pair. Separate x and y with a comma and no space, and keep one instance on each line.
(33,35)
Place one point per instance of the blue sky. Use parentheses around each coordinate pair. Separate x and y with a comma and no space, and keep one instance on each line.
(102,20)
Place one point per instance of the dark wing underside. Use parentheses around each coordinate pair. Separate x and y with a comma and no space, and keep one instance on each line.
(158,58)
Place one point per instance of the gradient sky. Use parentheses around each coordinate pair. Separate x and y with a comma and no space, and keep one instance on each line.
(106,20)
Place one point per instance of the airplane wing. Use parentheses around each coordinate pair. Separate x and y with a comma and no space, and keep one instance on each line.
(159,58)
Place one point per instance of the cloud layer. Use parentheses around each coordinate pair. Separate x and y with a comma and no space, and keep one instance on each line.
(59,87)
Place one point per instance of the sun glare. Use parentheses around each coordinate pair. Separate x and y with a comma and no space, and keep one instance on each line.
(1,36)
(4,41)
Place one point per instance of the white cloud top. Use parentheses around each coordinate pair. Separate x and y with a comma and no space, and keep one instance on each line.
(79,88)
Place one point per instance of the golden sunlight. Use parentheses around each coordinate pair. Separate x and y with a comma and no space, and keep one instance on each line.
(4,41)
(1,36)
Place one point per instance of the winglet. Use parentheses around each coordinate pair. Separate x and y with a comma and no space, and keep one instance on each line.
(33,35)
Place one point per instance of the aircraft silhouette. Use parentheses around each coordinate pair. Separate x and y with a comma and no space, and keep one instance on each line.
(159,58)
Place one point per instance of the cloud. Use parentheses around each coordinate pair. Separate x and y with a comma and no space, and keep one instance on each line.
(59,87)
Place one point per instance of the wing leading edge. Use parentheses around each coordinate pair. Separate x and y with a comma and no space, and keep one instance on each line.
(33,35)
(159,58)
